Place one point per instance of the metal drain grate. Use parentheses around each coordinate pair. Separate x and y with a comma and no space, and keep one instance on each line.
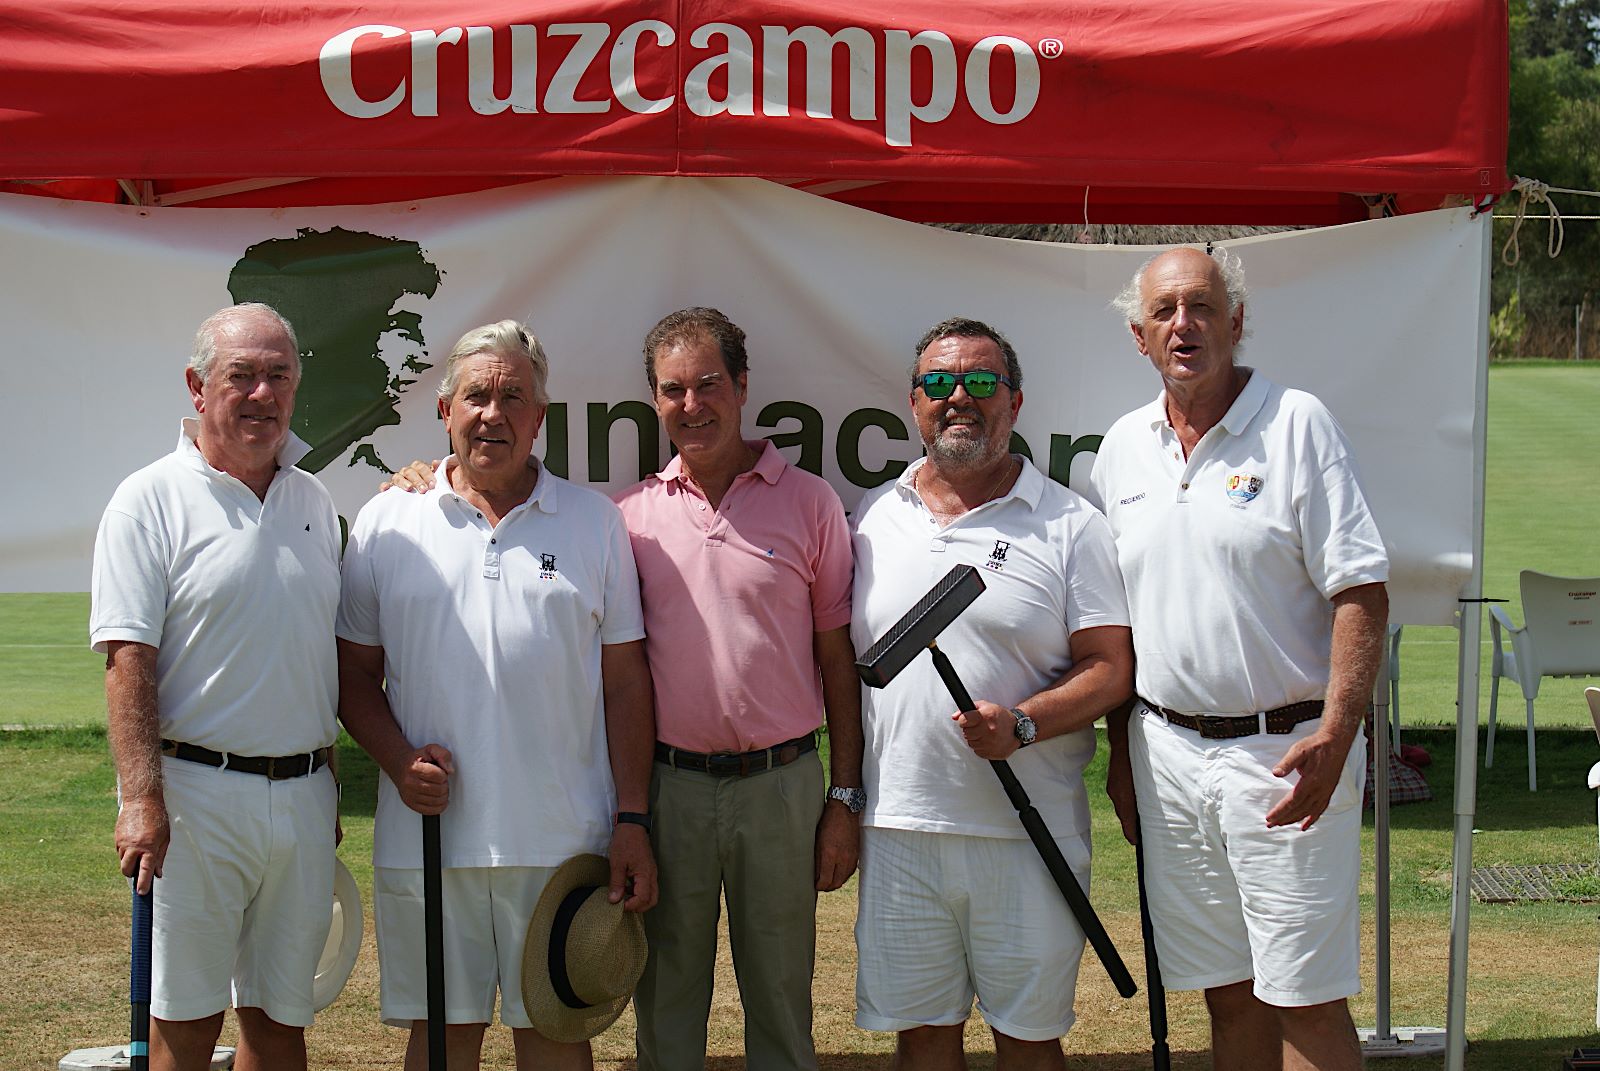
(1566,883)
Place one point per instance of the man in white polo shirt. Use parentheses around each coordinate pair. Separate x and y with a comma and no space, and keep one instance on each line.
(491,660)
(1255,582)
(955,900)
(215,585)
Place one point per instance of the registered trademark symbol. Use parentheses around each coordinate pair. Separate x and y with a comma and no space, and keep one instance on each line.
(1051,47)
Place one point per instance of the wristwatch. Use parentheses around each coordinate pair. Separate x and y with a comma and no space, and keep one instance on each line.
(853,798)
(1027,731)
(633,818)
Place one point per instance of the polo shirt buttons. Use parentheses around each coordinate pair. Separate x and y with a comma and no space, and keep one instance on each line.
(1185,486)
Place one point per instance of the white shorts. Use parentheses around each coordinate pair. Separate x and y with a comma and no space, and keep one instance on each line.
(486,913)
(1231,899)
(944,916)
(246,893)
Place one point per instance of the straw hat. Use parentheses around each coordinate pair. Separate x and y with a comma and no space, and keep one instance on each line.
(584,954)
(343,945)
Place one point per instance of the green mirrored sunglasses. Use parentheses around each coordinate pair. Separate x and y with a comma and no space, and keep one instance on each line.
(940,385)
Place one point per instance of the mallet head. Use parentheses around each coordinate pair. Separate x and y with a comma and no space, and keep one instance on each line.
(920,626)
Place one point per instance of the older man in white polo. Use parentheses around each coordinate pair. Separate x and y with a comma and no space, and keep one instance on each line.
(1255,580)
(491,660)
(215,583)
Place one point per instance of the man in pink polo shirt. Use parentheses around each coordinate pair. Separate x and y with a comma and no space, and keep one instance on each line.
(745,576)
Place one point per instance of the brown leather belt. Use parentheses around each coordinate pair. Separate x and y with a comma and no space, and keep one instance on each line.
(737,763)
(1233,726)
(274,768)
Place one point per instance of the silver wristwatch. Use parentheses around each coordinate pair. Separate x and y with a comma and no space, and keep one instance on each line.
(853,798)
(1027,731)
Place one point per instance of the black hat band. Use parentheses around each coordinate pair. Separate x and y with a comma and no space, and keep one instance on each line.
(560,927)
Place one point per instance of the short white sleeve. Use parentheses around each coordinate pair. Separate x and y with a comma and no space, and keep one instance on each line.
(358,590)
(129,585)
(1095,596)
(623,620)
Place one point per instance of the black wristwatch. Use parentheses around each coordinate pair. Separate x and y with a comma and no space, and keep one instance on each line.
(1027,732)
(853,798)
(635,818)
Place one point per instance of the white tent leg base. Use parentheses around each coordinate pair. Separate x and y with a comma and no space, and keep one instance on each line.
(1402,1041)
(115,1058)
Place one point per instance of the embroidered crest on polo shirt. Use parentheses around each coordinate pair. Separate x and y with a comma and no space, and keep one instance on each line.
(547,567)
(997,556)
(1243,487)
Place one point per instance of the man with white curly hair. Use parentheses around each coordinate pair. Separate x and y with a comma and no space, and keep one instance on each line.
(1255,579)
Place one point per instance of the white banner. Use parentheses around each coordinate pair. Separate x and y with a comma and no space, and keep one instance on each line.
(99,306)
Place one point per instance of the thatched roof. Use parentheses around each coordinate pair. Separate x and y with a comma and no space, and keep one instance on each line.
(1109,233)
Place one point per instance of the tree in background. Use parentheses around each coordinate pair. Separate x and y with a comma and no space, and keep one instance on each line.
(1554,137)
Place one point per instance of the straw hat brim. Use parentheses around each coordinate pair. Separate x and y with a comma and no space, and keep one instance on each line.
(550,1015)
(343,946)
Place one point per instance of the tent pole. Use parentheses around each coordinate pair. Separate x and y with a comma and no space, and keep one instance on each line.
(1380,837)
(1383,1040)
(1470,623)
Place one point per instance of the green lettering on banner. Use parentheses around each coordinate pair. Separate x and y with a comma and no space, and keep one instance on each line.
(1063,448)
(1019,445)
(848,446)
(808,437)
(557,452)
(600,420)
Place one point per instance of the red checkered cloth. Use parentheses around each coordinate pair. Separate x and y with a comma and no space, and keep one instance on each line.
(1406,782)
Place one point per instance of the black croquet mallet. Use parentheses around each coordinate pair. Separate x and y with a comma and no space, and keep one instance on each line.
(919,628)
(139,977)
(1155,992)
(433,937)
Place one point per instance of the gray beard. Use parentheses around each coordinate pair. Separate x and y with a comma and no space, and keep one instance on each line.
(959,452)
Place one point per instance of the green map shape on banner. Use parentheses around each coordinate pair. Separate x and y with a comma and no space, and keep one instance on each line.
(339,289)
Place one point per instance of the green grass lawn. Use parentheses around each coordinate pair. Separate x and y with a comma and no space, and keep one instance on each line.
(1530,989)
(1542,512)
(48,675)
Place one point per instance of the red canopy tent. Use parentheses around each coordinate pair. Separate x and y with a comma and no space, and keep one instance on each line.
(1144,111)
(1100,111)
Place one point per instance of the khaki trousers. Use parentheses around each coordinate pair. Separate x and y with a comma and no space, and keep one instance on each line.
(752,838)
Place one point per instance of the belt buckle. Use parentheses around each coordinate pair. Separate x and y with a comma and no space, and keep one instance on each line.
(1213,726)
(722,763)
(289,771)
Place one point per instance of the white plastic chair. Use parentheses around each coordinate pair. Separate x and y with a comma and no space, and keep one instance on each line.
(1593,696)
(1560,637)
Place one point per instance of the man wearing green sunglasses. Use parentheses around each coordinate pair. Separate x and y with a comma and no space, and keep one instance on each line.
(954,900)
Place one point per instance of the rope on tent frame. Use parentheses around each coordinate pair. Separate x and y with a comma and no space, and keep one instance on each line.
(1085,236)
(1534,190)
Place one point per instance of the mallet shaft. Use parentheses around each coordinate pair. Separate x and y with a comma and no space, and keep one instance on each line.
(433,937)
(1155,992)
(1039,833)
